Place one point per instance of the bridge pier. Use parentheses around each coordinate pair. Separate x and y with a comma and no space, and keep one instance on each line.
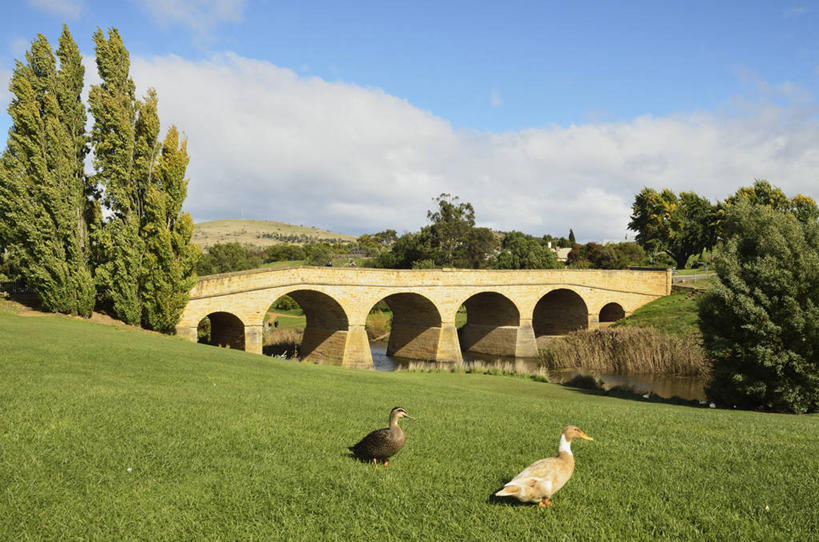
(449,347)
(357,349)
(254,339)
(187,332)
(526,344)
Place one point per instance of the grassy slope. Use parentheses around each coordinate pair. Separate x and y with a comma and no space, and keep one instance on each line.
(228,445)
(248,231)
(675,315)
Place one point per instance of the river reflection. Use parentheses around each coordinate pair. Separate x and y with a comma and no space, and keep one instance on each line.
(685,387)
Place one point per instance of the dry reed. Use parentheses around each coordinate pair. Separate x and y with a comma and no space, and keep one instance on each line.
(281,342)
(627,350)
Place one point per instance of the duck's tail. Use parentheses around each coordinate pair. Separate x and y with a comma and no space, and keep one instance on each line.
(509,491)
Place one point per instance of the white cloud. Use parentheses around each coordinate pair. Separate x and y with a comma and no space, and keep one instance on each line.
(797,11)
(268,143)
(71,9)
(199,15)
(495,99)
(5,96)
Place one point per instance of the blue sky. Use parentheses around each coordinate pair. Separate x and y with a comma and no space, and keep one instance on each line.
(546,115)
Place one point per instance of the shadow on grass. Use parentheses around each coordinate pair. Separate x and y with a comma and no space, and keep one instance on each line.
(593,386)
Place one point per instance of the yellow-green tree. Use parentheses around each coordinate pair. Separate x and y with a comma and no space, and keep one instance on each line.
(43,188)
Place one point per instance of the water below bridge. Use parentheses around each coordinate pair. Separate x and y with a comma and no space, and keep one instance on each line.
(685,387)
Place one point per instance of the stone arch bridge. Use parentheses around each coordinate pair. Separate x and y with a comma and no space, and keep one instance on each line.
(507,311)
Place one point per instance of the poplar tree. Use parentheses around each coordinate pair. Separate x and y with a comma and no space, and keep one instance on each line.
(148,260)
(170,257)
(42,182)
(114,137)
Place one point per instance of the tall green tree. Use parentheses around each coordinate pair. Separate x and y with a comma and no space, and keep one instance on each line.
(43,187)
(451,224)
(114,108)
(521,251)
(760,321)
(170,256)
(679,226)
(147,260)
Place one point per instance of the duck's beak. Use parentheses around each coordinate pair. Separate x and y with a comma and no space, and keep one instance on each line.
(585,436)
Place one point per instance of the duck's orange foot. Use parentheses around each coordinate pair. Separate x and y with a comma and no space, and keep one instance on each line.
(544,503)
(386,463)
(375,461)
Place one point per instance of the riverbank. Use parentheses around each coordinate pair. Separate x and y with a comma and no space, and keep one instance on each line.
(111,433)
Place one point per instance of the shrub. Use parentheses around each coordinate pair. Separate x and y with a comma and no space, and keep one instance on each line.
(760,320)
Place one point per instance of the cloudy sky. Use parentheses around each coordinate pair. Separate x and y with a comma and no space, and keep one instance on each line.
(544,115)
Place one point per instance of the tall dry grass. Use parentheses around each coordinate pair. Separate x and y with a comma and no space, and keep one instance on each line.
(281,342)
(627,350)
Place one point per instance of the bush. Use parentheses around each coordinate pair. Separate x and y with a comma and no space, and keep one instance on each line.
(760,320)
(227,257)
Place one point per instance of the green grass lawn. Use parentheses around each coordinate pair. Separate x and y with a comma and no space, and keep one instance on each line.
(114,433)
(675,314)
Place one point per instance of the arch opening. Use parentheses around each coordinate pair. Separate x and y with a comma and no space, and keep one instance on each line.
(408,323)
(492,324)
(610,313)
(307,325)
(560,312)
(221,329)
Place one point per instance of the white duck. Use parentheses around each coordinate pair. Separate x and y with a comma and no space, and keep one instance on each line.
(543,478)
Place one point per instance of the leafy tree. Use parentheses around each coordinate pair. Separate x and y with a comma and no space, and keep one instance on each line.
(116,156)
(284,252)
(170,256)
(677,225)
(406,250)
(762,193)
(450,226)
(521,251)
(227,257)
(572,240)
(146,258)
(760,321)
(42,183)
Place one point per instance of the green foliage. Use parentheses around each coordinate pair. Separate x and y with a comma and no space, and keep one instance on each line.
(521,251)
(760,320)
(227,257)
(318,254)
(286,303)
(608,256)
(229,445)
(284,252)
(677,225)
(451,240)
(170,257)
(42,182)
(147,260)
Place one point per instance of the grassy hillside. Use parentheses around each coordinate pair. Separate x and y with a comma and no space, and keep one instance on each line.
(261,233)
(675,314)
(111,433)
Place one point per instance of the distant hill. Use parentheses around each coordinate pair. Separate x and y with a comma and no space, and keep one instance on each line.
(260,233)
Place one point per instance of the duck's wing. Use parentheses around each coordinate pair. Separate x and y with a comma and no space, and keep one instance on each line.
(538,480)
(372,444)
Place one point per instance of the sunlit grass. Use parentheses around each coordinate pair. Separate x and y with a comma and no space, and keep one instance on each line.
(109,433)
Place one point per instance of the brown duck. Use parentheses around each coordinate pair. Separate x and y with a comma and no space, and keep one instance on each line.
(382,444)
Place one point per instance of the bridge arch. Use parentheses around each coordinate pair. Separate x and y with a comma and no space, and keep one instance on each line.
(611,312)
(492,325)
(559,312)
(415,331)
(325,332)
(222,328)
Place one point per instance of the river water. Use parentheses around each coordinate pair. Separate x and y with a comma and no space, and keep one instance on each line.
(685,387)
